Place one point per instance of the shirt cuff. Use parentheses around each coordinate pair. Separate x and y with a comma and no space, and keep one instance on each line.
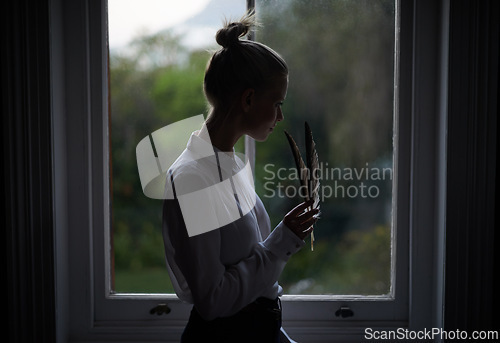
(283,242)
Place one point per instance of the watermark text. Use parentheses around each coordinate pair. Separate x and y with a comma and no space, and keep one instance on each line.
(428,334)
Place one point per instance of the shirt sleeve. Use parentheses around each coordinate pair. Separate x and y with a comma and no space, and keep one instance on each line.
(219,290)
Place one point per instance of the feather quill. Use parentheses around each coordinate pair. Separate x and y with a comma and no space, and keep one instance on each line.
(299,164)
(313,167)
(308,173)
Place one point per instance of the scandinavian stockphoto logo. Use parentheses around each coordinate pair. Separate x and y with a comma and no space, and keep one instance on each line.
(336,182)
(211,192)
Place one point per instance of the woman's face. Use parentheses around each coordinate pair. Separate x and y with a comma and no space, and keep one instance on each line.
(264,110)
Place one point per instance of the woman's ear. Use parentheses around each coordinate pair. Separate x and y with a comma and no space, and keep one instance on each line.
(247,99)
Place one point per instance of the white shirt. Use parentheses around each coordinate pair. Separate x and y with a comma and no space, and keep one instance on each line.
(222,270)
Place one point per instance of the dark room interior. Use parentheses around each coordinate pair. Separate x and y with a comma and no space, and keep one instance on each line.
(49,64)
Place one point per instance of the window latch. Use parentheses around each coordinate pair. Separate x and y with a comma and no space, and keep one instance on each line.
(160,309)
(344,312)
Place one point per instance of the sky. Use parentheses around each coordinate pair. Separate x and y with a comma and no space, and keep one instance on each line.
(129,17)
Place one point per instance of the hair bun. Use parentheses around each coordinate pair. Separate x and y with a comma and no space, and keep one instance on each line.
(230,34)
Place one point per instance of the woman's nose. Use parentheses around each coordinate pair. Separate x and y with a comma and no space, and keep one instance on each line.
(280,115)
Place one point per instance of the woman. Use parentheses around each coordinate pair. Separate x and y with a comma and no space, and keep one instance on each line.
(222,255)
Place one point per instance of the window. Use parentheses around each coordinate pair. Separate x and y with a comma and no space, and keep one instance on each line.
(99,312)
(155,80)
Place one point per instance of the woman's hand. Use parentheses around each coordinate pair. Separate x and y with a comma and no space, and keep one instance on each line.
(300,220)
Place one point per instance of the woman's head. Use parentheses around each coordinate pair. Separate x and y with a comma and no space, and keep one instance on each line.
(240,65)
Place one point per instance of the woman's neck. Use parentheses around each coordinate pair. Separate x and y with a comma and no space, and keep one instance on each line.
(224,133)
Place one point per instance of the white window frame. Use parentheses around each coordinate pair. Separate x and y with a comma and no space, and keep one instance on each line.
(92,313)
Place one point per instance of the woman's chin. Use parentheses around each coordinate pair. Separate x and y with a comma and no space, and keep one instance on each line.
(261,136)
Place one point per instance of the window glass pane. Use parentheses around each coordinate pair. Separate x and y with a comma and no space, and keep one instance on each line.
(158,54)
(340,54)
(341,59)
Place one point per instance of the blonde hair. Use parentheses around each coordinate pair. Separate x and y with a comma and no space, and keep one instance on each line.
(238,65)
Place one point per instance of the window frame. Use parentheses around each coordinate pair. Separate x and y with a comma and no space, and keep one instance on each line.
(94,313)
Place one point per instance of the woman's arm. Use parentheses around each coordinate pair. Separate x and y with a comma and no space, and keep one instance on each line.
(217,289)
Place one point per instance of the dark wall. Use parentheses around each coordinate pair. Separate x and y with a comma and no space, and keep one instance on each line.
(27,171)
(471,240)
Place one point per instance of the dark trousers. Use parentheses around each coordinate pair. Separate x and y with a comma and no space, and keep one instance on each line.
(259,322)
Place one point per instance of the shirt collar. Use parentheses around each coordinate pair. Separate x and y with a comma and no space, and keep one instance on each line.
(200,146)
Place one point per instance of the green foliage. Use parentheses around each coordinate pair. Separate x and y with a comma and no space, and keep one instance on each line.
(147,93)
(369,254)
(146,280)
(340,55)
(358,263)
(177,91)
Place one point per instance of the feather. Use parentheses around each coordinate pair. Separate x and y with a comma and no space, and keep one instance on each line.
(308,173)
(313,166)
(299,164)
